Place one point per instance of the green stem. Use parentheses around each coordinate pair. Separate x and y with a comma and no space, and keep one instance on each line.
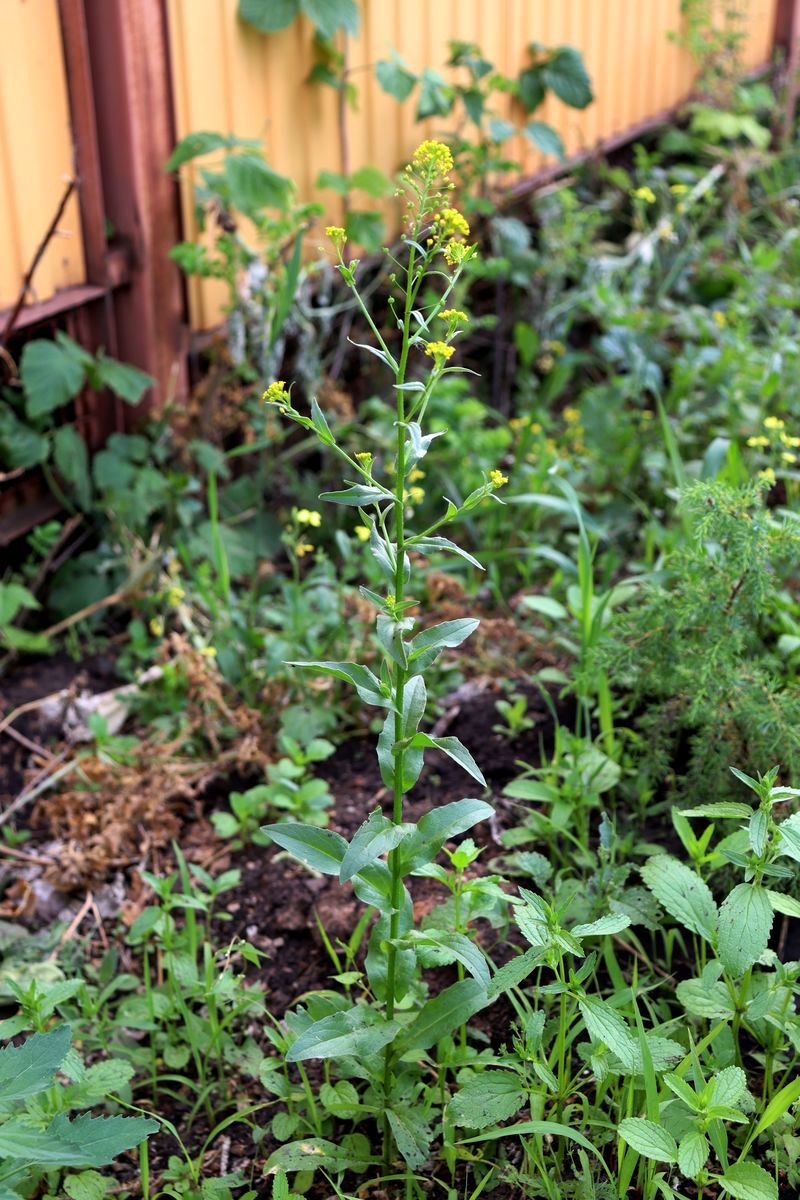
(400,676)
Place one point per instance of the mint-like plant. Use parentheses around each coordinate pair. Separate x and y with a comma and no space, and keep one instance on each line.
(394,1025)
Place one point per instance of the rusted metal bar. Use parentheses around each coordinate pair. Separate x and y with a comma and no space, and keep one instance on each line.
(787,37)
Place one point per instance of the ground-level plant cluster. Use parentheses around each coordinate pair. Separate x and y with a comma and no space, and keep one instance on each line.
(430,821)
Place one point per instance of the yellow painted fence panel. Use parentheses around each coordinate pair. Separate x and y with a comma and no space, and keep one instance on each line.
(230,78)
(35,152)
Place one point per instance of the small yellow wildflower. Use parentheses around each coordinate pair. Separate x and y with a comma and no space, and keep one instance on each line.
(307,516)
(758,440)
(497,478)
(645,193)
(208,651)
(175,595)
(774,423)
(157,626)
(303,548)
(517,422)
(720,320)
(365,458)
(362,533)
(571,415)
(536,427)
(454,315)
(679,189)
(432,158)
(457,253)
(452,224)
(790,441)
(276,393)
(337,235)
(439,352)
(665,231)
(788,457)
(554,346)
(767,474)
(416,474)
(416,495)
(545,363)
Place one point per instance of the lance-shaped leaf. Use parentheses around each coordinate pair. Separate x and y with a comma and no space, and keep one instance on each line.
(789,842)
(374,838)
(429,545)
(512,973)
(728,809)
(426,647)
(381,354)
(437,827)
(321,849)
(320,424)
(602,927)
(444,1013)
(418,443)
(366,683)
(308,1154)
(357,1032)
(450,947)
(748,1181)
(357,496)
(649,1139)
(454,749)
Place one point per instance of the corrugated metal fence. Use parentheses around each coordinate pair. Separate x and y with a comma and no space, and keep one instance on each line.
(228,77)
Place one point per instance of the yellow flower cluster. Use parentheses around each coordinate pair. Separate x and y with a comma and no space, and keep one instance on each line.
(276,393)
(451,223)
(645,193)
(303,548)
(362,533)
(720,320)
(432,158)
(175,595)
(415,494)
(774,423)
(762,441)
(497,478)
(308,516)
(679,189)
(454,316)
(336,234)
(456,253)
(439,352)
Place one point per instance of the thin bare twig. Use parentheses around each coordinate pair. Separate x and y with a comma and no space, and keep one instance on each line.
(40,249)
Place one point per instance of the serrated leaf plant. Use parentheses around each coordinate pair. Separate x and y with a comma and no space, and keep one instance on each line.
(381,1039)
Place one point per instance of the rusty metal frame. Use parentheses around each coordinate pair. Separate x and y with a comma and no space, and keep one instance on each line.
(787,36)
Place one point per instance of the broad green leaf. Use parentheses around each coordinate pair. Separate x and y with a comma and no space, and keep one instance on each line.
(435,96)
(684,895)
(748,1181)
(745,922)
(453,748)
(367,685)
(13,597)
(371,840)
(426,647)
(20,444)
(692,1154)
(333,181)
(357,1032)
(372,181)
(711,1000)
(195,145)
(491,1097)
(566,75)
(125,381)
(72,460)
(357,496)
(395,77)
(789,841)
(366,229)
(254,186)
(321,849)
(727,1087)
(311,1154)
(444,1013)
(28,1069)
(605,1025)
(530,88)
(456,947)
(85,1141)
(545,138)
(328,16)
(649,1139)
(50,376)
(545,605)
(86,1185)
(412,1135)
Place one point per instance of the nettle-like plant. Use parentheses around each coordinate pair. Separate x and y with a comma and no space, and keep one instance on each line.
(382,1039)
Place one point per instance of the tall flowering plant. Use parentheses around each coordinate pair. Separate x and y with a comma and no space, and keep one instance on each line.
(381,1038)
